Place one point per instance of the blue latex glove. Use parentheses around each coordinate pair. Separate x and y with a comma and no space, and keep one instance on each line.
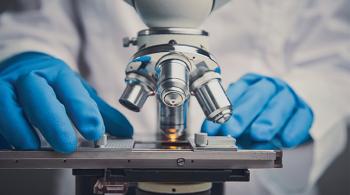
(42,92)
(265,110)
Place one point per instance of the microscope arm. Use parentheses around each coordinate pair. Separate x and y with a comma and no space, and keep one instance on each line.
(175,13)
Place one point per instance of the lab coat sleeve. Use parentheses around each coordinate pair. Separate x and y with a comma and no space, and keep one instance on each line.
(320,74)
(41,26)
(327,90)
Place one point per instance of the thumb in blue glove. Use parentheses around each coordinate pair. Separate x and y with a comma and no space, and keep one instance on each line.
(42,92)
(265,110)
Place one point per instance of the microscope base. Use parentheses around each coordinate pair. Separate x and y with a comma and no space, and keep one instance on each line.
(119,182)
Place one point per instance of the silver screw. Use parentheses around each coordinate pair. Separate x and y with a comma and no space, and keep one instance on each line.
(129,41)
(180,162)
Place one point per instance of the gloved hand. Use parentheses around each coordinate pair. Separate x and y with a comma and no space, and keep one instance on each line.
(265,110)
(41,92)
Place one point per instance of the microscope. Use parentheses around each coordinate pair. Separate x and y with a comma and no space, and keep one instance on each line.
(172,63)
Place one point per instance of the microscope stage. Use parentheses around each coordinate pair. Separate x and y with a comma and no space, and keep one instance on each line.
(131,154)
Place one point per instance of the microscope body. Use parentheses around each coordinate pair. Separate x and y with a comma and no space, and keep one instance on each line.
(173,63)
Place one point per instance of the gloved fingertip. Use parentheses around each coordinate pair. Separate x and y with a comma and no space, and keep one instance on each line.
(128,132)
(14,127)
(121,132)
(80,107)
(124,133)
(297,130)
(67,147)
(232,127)
(4,144)
(93,134)
(210,128)
(28,146)
(119,126)
(115,123)
(261,132)
(251,77)
(92,128)
(290,142)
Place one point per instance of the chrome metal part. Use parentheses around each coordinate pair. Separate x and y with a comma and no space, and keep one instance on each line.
(129,41)
(152,155)
(222,142)
(174,188)
(172,31)
(134,96)
(212,97)
(195,54)
(173,81)
(138,89)
(102,142)
(103,158)
(215,143)
(172,120)
(174,70)
(108,187)
(201,139)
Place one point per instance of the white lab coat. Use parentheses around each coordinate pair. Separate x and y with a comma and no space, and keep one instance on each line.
(305,42)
